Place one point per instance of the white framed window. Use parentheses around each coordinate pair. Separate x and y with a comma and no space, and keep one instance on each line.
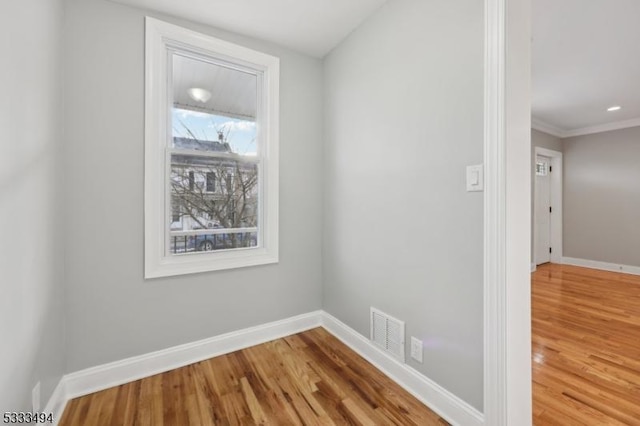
(211,153)
(542,168)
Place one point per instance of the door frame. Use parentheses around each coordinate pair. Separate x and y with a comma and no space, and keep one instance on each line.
(507,213)
(555,187)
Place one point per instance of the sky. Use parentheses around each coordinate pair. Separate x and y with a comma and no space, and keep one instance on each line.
(240,134)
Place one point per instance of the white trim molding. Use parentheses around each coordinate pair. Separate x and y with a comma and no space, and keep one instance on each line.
(603,266)
(547,128)
(444,403)
(84,382)
(507,214)
(57,402)
(618,125)
(561,133)
(495,343)
(533,267)
(117,373)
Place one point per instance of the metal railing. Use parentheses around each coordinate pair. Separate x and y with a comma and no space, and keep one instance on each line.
(181,242)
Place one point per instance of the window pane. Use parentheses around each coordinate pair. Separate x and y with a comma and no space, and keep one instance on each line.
(541,168)
(211,182)
(181,244)
(214,111)
(213,103)
(213,194)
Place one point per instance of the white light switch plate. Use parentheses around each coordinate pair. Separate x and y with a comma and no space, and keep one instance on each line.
(475,178)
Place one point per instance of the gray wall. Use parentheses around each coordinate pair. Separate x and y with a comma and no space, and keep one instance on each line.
(602,197)
(541,140)
(404,117)
(112,312)
(31,288)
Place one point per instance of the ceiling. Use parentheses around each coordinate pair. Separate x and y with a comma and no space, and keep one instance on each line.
(586,58)
(313,27)
(584,54)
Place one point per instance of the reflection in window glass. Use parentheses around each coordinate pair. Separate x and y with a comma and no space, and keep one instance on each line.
(214,171)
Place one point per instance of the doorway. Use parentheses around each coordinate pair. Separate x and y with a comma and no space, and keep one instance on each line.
(543,210)
(547,229)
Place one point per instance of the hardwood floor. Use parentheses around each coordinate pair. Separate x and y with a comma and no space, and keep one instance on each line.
(586,347)
(309,378)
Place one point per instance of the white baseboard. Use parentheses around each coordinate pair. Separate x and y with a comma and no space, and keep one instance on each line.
(443,402)
(57,402)
(95,379)
(533,267)
(116,373)
(604,266)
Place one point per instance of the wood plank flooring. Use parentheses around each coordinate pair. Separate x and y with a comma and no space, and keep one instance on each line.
(309,378)
(586,347)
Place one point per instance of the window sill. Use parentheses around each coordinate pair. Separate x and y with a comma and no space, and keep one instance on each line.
(208,262)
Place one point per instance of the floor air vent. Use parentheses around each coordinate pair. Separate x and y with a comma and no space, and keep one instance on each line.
(387,333)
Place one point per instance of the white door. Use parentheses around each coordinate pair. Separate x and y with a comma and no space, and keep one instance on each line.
(543,209)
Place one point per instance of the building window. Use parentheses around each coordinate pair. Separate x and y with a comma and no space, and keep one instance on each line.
(192,180)
(175,214)
(211,182)
(211,153)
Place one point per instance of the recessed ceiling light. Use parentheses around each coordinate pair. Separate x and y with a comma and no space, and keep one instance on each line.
(614,108)
(198,94)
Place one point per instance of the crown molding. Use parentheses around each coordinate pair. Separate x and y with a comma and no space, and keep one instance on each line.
(618,125)
(540,125)
(547,128)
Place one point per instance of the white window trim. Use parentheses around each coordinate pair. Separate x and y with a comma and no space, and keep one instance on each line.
(159,37)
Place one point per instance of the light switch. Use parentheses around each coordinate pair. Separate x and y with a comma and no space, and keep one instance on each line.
(475,178)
